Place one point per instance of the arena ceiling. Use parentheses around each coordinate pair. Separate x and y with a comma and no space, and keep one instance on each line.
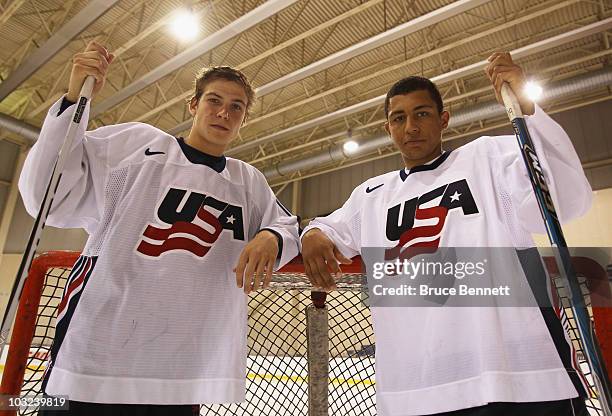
(320,66)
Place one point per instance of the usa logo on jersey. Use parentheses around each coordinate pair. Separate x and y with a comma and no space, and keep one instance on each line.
(425,235)
(190,221)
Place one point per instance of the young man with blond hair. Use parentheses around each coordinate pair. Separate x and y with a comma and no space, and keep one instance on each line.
(154,317)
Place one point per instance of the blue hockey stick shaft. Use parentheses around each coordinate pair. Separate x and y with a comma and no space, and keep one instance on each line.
(39,223)
(557,240)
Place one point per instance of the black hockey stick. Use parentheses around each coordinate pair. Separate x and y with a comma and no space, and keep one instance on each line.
(562,254)
(41,218)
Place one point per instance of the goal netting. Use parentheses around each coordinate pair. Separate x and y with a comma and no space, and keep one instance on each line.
(304,359)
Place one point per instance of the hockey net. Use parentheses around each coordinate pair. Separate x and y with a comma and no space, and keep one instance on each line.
(283,366)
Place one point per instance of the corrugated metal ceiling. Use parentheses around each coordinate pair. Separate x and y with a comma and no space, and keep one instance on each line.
(376,69)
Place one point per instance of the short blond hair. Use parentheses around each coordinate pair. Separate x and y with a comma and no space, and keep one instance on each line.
(208,74)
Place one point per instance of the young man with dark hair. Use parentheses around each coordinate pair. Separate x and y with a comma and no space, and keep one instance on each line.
(460,361)
(415,83)
(153,320)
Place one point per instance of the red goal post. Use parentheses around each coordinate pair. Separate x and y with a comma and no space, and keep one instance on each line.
(33,329)
(25,319)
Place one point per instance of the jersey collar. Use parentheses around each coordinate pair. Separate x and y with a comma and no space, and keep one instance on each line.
(216,163)
(404,173)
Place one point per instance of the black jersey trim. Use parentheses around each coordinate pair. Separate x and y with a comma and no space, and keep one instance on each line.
(217,163)
(64,105)
(422,168)
(285,210)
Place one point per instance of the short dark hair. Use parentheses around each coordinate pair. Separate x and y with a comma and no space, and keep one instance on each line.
(207,75)
(410,84)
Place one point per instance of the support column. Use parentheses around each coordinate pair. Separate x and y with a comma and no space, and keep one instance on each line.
(11,202)
(296,197)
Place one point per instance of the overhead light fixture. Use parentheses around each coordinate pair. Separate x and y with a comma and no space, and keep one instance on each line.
(533,90)
(350,146)
(185,25)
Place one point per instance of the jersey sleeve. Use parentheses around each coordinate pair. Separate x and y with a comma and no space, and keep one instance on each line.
(343,226)
(278,219)
(565,178)
(77,200)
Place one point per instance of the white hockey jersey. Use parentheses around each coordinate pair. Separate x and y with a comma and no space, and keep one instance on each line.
(432,360)
(151,313)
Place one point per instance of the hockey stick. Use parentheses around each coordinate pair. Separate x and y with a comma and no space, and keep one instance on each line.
(41,218)
(562,254)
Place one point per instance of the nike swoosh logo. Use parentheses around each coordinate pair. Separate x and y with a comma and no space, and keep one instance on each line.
(148,152)
(368,189)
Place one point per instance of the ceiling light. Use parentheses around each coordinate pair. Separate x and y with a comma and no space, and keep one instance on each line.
(350,146)
(533,90)
(185,25)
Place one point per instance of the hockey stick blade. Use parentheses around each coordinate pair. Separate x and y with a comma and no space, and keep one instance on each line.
(39,223)
(562,254)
